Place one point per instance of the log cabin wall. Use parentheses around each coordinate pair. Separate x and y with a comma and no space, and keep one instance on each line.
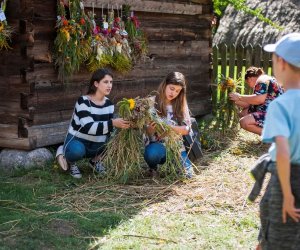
(35,107)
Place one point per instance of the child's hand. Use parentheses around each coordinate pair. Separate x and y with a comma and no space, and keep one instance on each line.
(151,128)
(120,123)
(288,208)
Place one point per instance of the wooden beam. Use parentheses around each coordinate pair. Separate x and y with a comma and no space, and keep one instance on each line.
(149,6)
(44,135)
(18,143)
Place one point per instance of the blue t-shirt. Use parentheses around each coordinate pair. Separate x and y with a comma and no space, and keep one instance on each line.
(283,119)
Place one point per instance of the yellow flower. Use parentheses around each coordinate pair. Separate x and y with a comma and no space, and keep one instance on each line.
(66,34)
(230,82)
(131,103)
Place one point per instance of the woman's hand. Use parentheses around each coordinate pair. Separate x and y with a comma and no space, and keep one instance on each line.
(234,96)
(120,123)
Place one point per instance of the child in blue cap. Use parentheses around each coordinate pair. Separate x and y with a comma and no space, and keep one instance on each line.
(280,205)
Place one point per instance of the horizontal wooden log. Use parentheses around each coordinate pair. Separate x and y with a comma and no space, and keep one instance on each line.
(178,48)
(50,117)
(44,9)
(167,21)
(176,34)
(8,130)
(18,143)
(149,6)
(202,107)
(48,134)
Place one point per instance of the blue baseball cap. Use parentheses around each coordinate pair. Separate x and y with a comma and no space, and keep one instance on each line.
(288,48)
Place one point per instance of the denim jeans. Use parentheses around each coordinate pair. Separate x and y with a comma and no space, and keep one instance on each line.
(155,153)
(76,149)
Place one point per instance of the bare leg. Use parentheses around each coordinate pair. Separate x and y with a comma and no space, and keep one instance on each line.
(243,112)
(248,123)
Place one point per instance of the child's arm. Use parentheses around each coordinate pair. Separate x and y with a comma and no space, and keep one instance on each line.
(284,172)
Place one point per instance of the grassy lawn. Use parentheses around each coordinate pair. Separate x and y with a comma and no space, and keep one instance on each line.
(47,209)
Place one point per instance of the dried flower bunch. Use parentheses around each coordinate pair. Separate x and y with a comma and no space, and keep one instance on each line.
(72,43)
(97,42)
(5,29)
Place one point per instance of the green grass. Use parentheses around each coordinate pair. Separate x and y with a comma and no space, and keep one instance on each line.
(27,220)
(182,231)
(48,209)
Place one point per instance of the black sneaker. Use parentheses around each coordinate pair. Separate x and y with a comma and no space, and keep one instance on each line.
(74,171)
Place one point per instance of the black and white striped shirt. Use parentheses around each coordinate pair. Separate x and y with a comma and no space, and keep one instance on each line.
(90,121)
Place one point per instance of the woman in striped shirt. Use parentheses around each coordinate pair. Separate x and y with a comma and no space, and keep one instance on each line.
(91,124)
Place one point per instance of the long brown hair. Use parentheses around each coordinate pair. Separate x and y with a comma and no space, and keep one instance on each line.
(179,104)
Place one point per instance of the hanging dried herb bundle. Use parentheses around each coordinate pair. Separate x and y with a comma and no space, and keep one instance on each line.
(137,39)
(72,43)
(5,29)
(109,43)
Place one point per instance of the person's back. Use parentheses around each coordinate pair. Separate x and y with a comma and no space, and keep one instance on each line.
(285,122)
(267,85)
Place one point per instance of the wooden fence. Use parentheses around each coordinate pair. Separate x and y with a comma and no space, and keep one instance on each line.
(232,60)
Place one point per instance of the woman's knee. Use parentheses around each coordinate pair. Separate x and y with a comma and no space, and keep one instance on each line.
(75,151)
(243,123)
(155,153)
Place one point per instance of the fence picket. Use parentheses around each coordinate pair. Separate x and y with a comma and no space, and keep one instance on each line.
(249,56)
(232,56)
(240,60)
(257,53)
(222,94)
(214,89)
(223,54)
(215,62)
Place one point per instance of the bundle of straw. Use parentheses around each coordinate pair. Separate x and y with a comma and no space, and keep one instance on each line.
(124,152)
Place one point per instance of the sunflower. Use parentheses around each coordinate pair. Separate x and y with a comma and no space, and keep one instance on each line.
(131,103)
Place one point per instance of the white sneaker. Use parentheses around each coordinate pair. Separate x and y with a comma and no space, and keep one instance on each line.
(75,172)
(60,158)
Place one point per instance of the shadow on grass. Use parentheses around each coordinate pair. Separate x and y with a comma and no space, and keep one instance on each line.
(44,208)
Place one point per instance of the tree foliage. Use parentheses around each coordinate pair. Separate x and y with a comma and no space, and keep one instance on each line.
(240,5)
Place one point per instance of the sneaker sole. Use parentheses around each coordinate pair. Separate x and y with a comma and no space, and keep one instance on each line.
(62,162)
(76,176)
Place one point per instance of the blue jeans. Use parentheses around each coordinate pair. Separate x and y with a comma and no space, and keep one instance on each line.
(76,149)
(155,153)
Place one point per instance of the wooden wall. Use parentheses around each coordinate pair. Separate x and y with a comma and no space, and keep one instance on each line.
(35,107)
